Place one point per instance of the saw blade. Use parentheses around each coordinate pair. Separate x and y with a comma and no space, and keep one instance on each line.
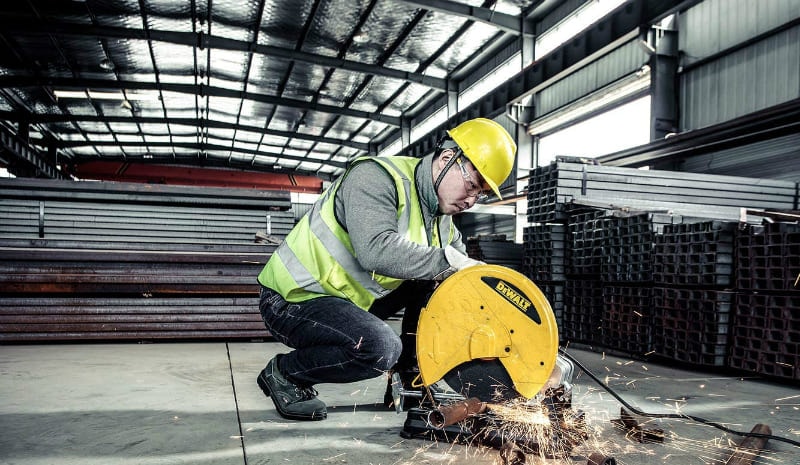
(487,380)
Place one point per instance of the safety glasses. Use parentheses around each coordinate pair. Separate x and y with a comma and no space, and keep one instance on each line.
(473,189)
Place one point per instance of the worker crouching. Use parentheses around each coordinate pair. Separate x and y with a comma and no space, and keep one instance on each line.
(376,242)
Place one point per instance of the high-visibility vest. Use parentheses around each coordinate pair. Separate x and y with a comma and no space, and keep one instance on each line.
(317,258)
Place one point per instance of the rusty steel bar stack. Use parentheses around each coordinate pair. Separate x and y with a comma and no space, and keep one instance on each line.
(110,261)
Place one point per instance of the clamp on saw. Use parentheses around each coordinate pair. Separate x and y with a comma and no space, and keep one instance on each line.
(490,334)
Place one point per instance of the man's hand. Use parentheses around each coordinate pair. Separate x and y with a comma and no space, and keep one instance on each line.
(458,260)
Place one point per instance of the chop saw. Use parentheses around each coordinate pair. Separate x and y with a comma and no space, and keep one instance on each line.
(490,334)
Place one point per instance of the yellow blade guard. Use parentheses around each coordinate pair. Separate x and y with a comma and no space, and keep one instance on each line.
(487,312)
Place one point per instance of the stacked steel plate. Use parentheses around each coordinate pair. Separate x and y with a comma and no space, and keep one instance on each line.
(91,260)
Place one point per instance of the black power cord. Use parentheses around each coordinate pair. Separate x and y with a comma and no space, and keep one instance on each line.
(672,415)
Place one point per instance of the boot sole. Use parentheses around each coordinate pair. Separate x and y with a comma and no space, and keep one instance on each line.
(262,383)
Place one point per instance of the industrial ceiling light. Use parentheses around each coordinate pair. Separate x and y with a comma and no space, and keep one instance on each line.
(105,95)
(106,64)
(577,21)
(132,106)
(61,94)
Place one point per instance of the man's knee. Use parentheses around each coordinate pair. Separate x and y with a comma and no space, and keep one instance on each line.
(393,350)
(382,351)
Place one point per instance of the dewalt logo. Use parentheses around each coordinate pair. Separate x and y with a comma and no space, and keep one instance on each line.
(512,294)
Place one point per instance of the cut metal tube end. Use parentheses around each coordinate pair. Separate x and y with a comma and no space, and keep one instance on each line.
(451,414)
(598,458)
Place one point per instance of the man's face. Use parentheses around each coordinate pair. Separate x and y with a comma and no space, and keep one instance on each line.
(461,187)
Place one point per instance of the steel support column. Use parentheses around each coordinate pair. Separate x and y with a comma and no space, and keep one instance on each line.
(664,81)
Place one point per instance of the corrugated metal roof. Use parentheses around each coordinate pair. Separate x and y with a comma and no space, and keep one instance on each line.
(300,86)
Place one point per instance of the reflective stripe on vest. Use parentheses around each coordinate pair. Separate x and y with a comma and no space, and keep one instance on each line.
(317,257)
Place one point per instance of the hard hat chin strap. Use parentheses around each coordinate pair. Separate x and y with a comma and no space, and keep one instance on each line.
(450,163)
(444,144)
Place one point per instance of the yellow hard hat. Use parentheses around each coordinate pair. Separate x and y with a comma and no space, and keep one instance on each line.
(489,147)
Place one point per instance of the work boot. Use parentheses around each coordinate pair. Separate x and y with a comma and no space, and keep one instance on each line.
(291,401)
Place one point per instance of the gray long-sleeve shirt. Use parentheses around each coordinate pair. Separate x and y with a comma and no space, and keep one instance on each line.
(366,205)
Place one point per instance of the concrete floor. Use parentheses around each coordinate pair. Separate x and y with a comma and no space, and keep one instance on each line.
(198,403)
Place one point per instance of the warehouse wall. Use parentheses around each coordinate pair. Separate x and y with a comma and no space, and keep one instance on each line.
(736,59)
(757,76)
(713,26)
(771,159)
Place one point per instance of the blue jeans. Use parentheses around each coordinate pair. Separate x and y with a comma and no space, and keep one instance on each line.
(333,340)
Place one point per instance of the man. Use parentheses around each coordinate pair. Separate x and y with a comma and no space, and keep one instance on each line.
(376,241)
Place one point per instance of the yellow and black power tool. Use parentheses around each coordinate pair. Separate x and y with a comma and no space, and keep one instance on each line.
(484,316)
(491,335)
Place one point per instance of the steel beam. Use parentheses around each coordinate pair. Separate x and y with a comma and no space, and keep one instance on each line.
(194,122)
(204,41)
(191,89)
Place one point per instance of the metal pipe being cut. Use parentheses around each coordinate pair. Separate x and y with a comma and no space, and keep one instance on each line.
(451,414)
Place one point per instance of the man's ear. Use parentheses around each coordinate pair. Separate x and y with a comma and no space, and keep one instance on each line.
(445,157)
